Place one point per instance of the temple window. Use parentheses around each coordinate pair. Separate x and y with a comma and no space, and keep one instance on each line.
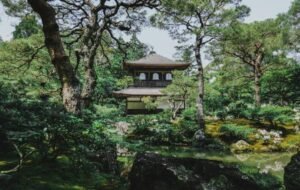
(142,76)
(155,76)
(168,76)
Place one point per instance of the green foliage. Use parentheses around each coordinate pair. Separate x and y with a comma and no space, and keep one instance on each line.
(150,103)
(290,23)
(136,49)
(142,125)
(27,27)
(180,92)
(251,113)
(31,76)
(107,111)
(276,114)
(235,132)
(189,114)
(280,86)
(247,36)
(44,131)
(158,130)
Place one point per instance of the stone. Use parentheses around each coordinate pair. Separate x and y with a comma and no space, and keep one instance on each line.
(199,136)
(154,172)
(292,173)
(5,179)
(240,146)
(122,127)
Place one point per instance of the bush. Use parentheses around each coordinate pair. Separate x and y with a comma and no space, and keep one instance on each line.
(43,130)
(276,114)
(190,114)
(142,125)
(251,113)
(235,132)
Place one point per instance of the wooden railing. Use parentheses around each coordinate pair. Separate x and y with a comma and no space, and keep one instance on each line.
(139,83)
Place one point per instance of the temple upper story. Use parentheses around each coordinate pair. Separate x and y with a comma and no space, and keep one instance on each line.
(153,70)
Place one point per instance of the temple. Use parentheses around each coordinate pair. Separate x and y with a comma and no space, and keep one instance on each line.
(151,74)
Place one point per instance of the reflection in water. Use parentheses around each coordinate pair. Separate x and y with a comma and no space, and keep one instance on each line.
(242,157)
(271,163)
(276,167)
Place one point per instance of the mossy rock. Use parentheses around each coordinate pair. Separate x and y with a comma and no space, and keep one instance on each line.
(292,173)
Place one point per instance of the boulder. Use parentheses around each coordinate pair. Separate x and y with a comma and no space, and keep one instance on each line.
(199,136)
(154,172)
(240,146)
(292,173)
(5,179)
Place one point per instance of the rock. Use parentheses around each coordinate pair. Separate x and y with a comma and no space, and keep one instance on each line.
(219,183)
(154,172)
(240,146)
(106,160)
(211,144)
(199,137)
(122,127)
(5,179)
(292,173)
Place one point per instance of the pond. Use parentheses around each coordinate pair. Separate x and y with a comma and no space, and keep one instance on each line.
(272,163)
(268,163)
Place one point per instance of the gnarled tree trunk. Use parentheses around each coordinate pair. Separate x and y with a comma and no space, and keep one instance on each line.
(70,83)
(90,80)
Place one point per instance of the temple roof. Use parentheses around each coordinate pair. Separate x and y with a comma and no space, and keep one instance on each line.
(139,92)
(155,61)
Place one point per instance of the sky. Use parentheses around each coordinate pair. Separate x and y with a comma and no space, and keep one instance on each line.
(159,39)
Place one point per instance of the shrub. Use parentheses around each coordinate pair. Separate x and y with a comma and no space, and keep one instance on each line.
(190,114)
(235,132)
(250,113)
(43,130)
(274,114)
(142,124)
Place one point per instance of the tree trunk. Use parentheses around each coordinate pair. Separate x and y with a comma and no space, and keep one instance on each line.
(200,101)
(70,83)
(89,83)
(257,89)
(257,77)
(89,51)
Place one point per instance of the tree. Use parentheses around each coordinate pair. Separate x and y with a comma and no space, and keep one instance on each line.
(178,92)
(200,20)
(280,85)
(27,27)
(136,49)
(27,70)
(290,20)
(85,23)
(252,44)
(227,88)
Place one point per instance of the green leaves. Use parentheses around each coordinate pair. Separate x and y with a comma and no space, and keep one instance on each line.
(197,17)
(27,27)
